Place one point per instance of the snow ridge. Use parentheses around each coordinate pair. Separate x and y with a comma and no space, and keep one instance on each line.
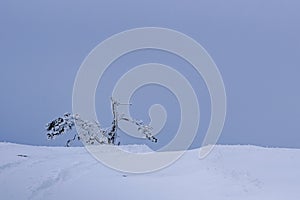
(229,172)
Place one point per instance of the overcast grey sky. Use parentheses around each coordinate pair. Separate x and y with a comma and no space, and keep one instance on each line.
(255,44)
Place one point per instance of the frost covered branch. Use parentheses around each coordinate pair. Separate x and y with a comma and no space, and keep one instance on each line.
(91,132)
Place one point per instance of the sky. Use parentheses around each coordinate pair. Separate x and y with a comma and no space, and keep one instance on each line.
(255,45)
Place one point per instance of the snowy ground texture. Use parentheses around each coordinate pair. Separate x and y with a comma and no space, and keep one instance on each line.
(229,172)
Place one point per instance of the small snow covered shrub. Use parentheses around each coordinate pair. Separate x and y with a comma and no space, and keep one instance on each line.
(91,132)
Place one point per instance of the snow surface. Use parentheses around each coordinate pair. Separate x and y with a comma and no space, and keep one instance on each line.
(229,172)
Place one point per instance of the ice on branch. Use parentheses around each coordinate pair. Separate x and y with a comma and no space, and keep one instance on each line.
(91,132)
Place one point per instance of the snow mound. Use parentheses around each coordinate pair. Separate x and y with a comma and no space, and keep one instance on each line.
(229,172)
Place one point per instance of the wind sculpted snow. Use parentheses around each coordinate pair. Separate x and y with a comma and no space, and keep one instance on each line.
(229,172)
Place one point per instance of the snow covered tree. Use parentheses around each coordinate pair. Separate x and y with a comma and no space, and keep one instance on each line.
(92,132)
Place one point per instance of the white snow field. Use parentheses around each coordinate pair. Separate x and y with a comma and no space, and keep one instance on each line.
(229,172)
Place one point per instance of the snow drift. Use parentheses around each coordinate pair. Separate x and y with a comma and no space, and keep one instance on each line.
(229,172)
